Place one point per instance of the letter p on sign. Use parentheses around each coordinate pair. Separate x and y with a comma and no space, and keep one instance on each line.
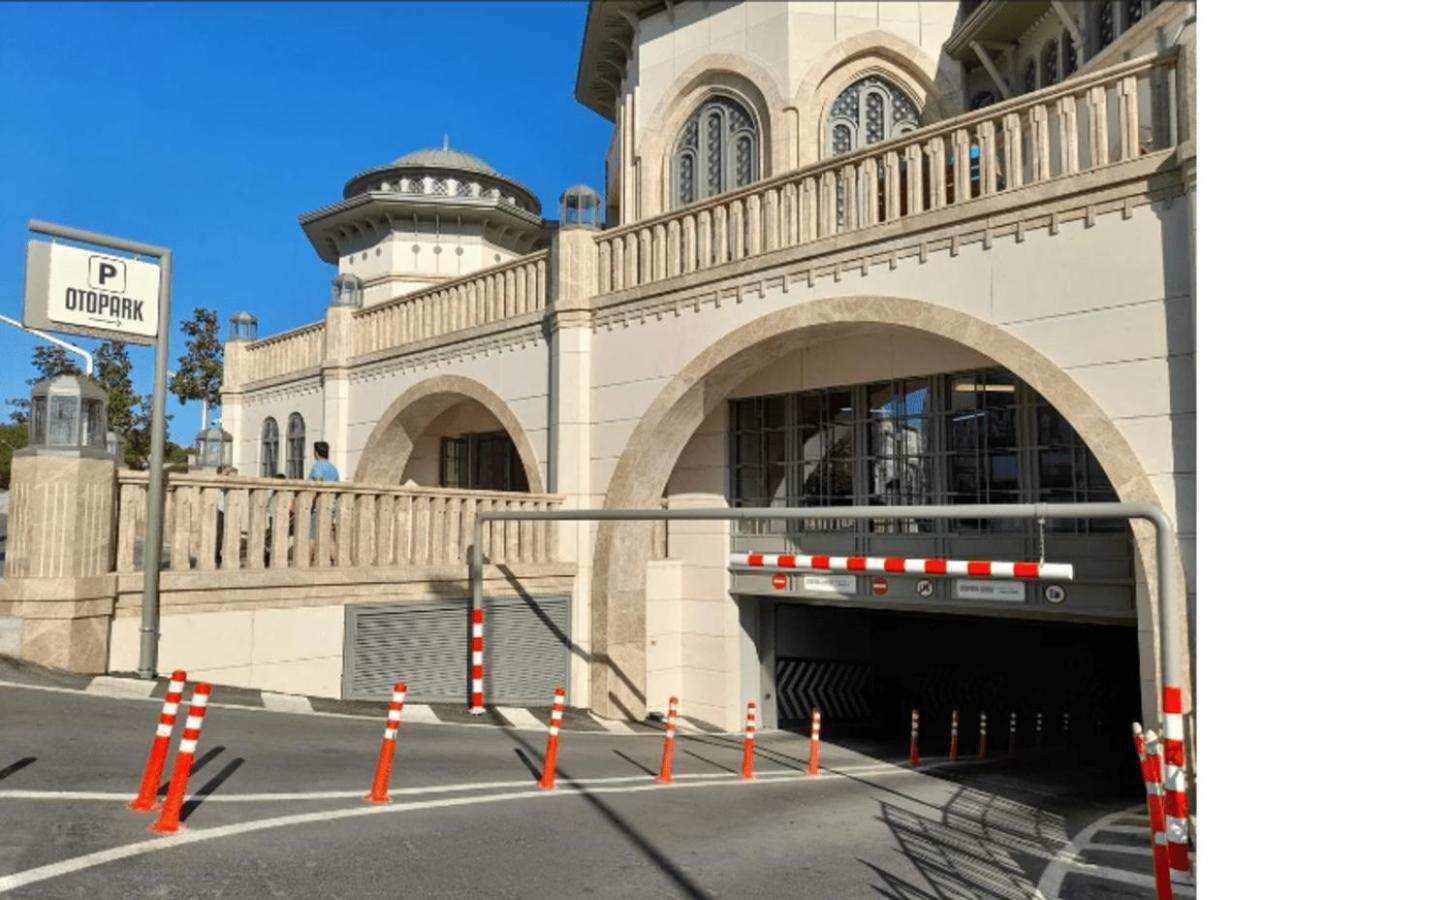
(108,274)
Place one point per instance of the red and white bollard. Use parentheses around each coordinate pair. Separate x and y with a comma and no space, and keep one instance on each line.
(954,735)
(984,735)
(1013,728)
(748,745)
(914,739)
(171,817)
(1178,833)
(664,776)
(151,776)
(477,662)
(1147,752)
(380,791)
(552,743)
(814,741)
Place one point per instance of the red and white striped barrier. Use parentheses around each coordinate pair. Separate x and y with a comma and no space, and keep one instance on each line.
(898,565)
(1013,729)
(814,741)
(984,735)
(151,776)
(954,735)
(171,817)
(379,793)
(914,739)
(552,743)
(1147,752)
(477,662)
(1178,833)
(664,776)
(748,745)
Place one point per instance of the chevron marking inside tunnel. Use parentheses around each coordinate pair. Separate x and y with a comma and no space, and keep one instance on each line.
(840,689)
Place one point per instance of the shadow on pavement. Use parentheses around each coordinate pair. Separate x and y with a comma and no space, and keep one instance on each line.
(16,767)
(207,789)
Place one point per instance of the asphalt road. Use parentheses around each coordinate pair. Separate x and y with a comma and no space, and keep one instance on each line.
(276,809)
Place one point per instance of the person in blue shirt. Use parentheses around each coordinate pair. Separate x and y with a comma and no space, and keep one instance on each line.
(322,470)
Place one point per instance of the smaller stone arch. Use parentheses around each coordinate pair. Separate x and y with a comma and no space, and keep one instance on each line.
(392,441)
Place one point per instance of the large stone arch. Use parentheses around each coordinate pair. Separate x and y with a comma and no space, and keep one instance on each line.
(618,583)
(392,440)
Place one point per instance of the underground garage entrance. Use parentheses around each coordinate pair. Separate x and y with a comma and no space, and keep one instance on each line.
(868,668)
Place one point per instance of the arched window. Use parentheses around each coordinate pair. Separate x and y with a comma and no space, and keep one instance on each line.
(297,436)
(869,110)
(1030,83)
(1067,52)
(1135,9)
(715,152)
(1050,61)
(268,465)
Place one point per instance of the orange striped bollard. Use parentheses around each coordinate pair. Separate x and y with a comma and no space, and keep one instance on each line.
(984,735)
(380,791)
(171,818)
(1148,751)
(914,739)
(747,746)
(814,741)
(954,735)
(671,735)
(151,776)
(477,662)
(552,743)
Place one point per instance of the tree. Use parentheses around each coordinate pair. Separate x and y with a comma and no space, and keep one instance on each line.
(113,372)
(138,439)
(12,438)
(199,371)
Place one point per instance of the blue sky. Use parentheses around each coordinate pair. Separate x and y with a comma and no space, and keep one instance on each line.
(210,128)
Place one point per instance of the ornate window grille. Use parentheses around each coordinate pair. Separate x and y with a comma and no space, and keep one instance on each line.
(1067,50)
(297,435)
(268,466)
(1106,25)
(1050,61)
(868,111)
(716,151)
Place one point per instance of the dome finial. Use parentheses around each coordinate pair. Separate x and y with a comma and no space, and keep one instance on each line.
(446,141)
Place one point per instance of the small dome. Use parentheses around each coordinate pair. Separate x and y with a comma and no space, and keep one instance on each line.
(444,158)
(580,191)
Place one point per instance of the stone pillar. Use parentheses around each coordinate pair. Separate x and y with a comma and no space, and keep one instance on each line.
(59,591)
(337,349)
(234,357)
(572,284)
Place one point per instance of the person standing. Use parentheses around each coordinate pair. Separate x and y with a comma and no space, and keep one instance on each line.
(322,470)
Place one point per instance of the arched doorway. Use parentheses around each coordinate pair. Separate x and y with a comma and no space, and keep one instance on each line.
(618,614)
(450,431)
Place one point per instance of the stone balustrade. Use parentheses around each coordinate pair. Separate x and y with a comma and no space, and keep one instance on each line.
(513,289)
(219,522)
(1088,122)
(298,350)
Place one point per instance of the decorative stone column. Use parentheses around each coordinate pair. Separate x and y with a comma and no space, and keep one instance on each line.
(337,348)
(59,591)
(572,283)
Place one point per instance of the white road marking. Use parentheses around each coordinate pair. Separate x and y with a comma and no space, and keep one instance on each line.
(420,712)
(288,703)
(611,725)
(520,718)
(1123,848)
(563,789)
(107,686)
(372,717)
(1143,830)
(120,797)
(1067,861)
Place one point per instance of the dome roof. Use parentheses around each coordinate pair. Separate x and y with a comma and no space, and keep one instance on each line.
(444,158)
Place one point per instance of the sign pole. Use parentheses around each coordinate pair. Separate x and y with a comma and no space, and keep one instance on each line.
(155,487)
(155,497)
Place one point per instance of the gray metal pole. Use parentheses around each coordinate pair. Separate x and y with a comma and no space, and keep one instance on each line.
(155,499)
(155,483)
(1173,628)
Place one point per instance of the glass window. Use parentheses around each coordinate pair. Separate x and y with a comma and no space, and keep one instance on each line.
(63,424)
(297,437)
(869,110)
(1067,472)
(268,464)
(1067,52)
(1030,82)
(1050,61)
(1106,25)
(716,152)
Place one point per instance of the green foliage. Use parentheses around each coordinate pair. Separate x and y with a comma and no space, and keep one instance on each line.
(12,438)
(199,371)
(113,371)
